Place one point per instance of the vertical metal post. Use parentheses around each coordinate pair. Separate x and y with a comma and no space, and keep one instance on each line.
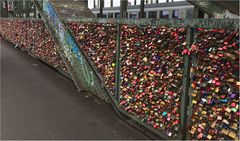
(6,4)
(111,3)
(15,12)
(27,8)
(44,38)
(33,37)
(94,3)
(1,8)
(141,14)
(35,11)
(86,2)
(101,9)
(197,13)
(118,64)
(185,87)
(16,8)
(25,32)
(123,8)
(21,8)
(22,37)
(13,33)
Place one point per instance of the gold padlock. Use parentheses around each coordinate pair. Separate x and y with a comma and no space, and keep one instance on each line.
(232,134)
(224,131)
(209,137)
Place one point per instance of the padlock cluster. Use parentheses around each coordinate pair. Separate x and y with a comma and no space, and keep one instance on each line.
(152,71)
(33,37)
(98,41)
(151,75)
(6,30)
(215,85)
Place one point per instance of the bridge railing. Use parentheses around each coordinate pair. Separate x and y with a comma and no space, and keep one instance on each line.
(178,78)
(32,37)
(156,79)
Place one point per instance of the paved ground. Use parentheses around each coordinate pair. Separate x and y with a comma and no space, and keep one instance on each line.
(38,103)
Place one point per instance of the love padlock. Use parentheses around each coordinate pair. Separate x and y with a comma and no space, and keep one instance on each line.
(216,90)
(152,64)
(100,46)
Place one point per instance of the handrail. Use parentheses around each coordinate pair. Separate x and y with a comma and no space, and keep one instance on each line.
(195,22)
(181,23)
(17,18)
(189,23)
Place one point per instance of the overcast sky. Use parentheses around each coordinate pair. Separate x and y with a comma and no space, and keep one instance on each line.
(117,2)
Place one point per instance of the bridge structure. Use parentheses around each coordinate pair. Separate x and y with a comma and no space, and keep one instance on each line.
(122,88)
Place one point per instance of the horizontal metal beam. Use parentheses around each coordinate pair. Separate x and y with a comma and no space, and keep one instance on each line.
(214,9)
(201,23)
(17,18)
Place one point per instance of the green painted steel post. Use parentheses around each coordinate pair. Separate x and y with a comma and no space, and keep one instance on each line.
(185,87)
(118,64)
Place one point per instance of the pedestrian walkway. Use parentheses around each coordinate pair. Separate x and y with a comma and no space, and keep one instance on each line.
(39,103)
